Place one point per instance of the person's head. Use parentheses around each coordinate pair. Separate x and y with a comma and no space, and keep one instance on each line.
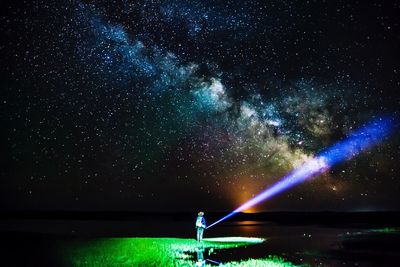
(200,213)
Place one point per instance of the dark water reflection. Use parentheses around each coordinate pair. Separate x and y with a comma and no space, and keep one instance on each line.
(316,245)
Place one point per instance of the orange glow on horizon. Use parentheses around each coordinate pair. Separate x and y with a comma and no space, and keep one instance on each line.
(250,210)
(247,191)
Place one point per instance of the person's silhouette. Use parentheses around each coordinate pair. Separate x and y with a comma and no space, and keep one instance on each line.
(200,226)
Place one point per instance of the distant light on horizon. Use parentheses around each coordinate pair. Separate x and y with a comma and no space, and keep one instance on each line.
(364,138)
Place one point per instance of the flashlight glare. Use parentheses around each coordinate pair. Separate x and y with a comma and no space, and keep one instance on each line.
(369,135)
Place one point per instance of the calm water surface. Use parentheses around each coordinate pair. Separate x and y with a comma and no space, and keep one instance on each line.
(316,245)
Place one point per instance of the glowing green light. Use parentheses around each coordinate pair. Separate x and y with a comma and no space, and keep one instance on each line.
(253,240)
(386,230)
(159,252)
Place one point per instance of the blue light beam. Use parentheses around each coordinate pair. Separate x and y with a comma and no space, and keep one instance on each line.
(364,138)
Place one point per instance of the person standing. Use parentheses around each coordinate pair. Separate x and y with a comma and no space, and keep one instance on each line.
(200,226)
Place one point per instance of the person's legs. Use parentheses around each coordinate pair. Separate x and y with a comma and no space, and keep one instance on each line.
(201,233)
(198,233)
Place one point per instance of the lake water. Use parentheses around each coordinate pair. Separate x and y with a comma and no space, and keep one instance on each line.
(315,245)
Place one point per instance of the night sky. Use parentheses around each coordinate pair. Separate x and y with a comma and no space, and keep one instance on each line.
(185,105)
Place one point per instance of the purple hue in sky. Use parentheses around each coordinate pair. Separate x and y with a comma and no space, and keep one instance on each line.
(366,137)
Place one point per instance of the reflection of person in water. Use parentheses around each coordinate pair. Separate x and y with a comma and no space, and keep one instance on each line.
(200,226)
(201,262)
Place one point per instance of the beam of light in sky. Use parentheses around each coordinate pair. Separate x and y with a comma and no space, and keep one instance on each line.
(367,136)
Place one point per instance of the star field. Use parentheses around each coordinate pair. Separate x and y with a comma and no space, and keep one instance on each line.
(149,105)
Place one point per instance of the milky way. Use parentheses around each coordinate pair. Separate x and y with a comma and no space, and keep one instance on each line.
(193,104)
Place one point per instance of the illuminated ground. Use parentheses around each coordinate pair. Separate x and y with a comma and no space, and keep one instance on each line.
(161,252)
(283,245)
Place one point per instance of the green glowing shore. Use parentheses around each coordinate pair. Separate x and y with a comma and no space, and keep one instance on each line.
(159,252)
